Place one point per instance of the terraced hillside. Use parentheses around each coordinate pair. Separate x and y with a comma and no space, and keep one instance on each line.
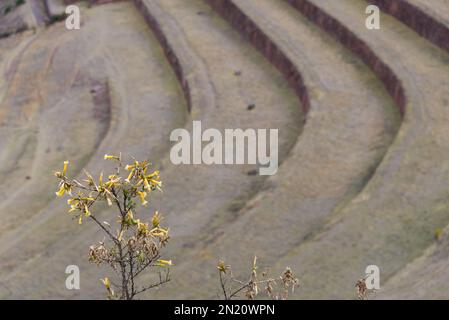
(363,139)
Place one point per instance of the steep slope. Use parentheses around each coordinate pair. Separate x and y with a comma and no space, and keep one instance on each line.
(423,278)
(187,211)
(362,118)
(325,168)
(393,219)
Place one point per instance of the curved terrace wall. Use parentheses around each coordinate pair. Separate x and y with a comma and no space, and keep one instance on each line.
(248,29)
(168,50)
(355,45)
(424,24)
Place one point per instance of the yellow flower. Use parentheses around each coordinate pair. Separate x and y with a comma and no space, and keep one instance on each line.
(107,284)
(86,210)
(130,167)
(151,181)
(63,188)
(62,174)
(131,174)
(73,203)
(80,203)
(154,174)
(110,157)
(61,191)
(164,263)
(66,166)
(156,183)
(159,232)
(142,195)
(134,166)
(142,228)
(129,219)
(113,181)
(146,185)
(222,267)
(156,219)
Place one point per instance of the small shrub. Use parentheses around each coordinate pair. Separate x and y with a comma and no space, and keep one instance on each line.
(363,293)
(275,288)
(134,246)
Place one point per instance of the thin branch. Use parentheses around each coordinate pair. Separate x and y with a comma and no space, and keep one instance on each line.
(113,238)
(238,291)
(146,265)
(223,286)
(155,285)
(131,271)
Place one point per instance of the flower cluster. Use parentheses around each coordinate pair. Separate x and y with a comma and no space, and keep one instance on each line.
(139,183)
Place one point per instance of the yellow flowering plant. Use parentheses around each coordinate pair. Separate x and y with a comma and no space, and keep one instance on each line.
(134,246)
